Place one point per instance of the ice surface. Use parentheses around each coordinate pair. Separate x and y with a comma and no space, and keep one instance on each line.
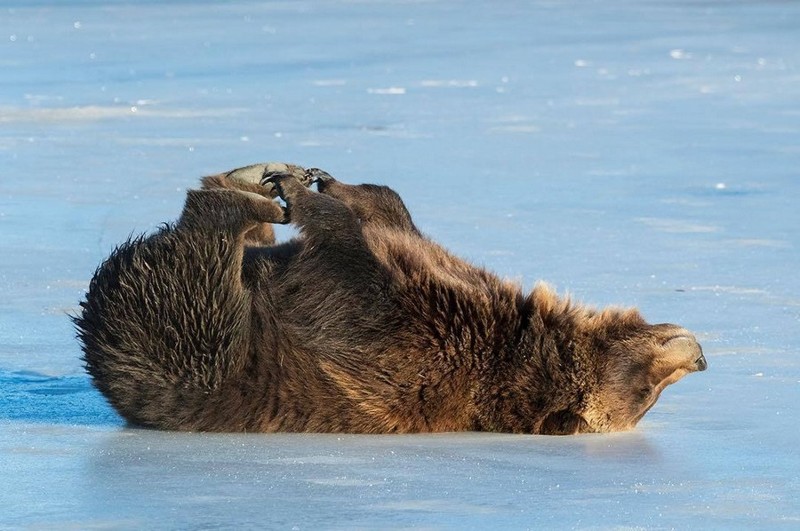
(641,152)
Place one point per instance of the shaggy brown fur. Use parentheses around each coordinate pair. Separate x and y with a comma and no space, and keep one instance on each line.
(361,324)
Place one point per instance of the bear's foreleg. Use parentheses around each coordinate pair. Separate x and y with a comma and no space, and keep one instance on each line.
(336,283)
(326,222)
(371,203)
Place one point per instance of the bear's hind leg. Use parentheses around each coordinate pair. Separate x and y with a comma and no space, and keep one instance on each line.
(166,324)
(232,211)
(249,179)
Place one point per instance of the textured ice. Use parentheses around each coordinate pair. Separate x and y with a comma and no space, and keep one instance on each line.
(640,152)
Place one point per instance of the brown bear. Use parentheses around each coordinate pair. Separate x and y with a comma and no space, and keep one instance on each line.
(360,324)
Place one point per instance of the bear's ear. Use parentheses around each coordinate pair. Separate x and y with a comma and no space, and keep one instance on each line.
(676,355)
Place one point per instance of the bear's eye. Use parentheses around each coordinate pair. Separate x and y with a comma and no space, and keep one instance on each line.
(644,393)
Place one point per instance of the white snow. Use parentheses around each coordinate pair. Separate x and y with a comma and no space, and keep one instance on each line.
(639,152)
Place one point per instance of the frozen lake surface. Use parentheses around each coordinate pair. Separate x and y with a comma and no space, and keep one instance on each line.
(642,152)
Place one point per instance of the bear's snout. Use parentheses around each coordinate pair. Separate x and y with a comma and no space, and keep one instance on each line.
(701,362)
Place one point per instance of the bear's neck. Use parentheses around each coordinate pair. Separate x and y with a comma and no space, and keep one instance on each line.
(534,373)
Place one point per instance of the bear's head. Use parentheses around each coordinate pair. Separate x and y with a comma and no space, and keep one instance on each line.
(632,372)
(620,366)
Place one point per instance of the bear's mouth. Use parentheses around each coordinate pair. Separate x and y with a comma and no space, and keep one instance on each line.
(645,410)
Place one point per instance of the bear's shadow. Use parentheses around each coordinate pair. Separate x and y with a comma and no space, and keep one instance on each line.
(35,397)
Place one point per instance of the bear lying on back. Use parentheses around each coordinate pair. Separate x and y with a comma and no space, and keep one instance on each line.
(361,324)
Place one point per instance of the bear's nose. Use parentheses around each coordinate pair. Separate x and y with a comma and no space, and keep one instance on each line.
(701,362)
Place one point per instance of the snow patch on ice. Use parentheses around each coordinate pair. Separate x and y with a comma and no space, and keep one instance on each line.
(677,226)
(449,83)
(392,91)
(91,113)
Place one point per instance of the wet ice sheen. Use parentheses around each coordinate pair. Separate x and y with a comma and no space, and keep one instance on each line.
(639,152)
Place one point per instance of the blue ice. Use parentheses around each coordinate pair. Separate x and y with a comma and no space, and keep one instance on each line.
(638,152)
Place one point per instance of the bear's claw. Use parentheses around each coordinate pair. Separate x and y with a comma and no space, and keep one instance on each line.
(255,175)
(284,183)
(321,177)
(276,169)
